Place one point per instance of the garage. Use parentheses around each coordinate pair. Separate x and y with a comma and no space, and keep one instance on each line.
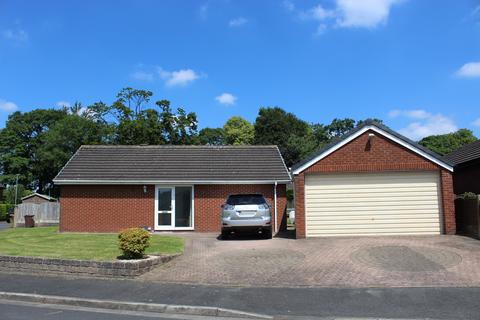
(372,204)
(373,181)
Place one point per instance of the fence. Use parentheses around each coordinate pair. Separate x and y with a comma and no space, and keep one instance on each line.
(467,213)
(45,214)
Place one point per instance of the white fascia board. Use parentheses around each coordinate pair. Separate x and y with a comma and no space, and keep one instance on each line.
(383,133)
(171,182)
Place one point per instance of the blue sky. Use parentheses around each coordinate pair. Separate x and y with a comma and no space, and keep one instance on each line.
(414,64)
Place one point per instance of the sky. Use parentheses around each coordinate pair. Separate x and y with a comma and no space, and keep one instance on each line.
(414,64)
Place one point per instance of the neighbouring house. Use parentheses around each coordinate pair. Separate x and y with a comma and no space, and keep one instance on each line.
(373,181)
(37,198)
(466,161)
(109,188)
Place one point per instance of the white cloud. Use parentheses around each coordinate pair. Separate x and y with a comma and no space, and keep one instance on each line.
(476,123)
(365,13)
(62,104)
(7,106)
(227,99)
(142,76)
(347,13)
(237,22)
(178,78)
(469,70)
(425,123)
(18,35)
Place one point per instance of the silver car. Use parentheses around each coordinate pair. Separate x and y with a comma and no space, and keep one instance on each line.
(246,212)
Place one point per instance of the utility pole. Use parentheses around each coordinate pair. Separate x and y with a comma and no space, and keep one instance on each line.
(16,190)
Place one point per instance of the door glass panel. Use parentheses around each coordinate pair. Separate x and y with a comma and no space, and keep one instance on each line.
(164,218)
(183,206)
(164,199)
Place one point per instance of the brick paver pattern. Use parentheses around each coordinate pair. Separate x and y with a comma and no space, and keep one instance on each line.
(393,261)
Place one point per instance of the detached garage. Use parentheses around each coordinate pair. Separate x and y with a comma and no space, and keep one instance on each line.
(373,181)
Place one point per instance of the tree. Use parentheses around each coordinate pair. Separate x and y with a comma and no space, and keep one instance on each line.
(339,127)
(445,143)
(211,136)
(20,141)
(9,193)
(276,126)
(238,131)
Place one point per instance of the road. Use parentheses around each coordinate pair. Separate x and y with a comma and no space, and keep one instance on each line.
(406,303)
(11,310)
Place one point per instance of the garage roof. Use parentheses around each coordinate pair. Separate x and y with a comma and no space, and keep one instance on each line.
(174,164)
(464,154)
(380,129)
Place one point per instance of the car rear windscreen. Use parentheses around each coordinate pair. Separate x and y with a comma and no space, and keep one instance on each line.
(245,199)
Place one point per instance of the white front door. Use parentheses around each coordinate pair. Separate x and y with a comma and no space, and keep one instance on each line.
(174,208)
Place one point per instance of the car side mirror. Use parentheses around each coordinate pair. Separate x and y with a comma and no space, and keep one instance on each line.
(222,206)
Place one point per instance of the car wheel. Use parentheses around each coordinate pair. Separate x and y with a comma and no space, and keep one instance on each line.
(225,234)
(267,233)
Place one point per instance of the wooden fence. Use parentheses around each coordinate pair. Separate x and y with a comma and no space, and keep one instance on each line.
(467,213)
(45,214)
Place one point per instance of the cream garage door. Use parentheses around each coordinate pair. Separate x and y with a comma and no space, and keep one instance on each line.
(372,204)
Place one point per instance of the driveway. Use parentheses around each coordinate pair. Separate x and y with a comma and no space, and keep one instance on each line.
(393,261)
(4,225)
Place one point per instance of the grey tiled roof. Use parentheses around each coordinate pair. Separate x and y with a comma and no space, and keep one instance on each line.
(464,154)
(142,164)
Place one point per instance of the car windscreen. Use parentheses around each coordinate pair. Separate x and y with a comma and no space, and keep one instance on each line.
(245,199)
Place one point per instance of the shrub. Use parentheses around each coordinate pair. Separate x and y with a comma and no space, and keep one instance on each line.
(133,242)
(4,211)
(469,195)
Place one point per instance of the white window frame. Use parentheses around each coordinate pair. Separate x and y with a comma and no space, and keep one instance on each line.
(172,225)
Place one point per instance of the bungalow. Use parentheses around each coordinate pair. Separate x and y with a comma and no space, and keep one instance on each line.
(109,188)
(373,181)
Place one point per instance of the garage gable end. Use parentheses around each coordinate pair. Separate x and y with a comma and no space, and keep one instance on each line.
(372,147)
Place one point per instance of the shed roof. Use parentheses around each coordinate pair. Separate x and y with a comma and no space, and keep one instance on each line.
(174,164)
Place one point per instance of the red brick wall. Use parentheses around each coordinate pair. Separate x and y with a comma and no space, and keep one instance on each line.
(209,198)
(381,154)
(112,208)
(105,208)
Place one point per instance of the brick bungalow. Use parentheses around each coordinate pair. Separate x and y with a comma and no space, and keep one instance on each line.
(373,181)
(109,188)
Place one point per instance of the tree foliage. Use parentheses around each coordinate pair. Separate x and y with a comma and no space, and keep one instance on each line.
(445,143)
(238,131)
(211,136)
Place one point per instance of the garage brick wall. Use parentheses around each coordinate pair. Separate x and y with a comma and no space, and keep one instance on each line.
(110,208)
(381,154)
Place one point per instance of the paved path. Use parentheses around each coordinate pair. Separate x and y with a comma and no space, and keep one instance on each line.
(397,303)
(406,261)
(4,225)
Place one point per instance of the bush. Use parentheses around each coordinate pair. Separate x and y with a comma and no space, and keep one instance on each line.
(469,195)
(4,211)
(133,242)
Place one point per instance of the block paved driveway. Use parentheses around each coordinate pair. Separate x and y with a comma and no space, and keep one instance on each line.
(387,261)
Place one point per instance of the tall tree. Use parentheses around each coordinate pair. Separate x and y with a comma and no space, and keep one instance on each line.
(276,126)
(211,136)
(238,131)
(445,143)
(20,141)
(339,127)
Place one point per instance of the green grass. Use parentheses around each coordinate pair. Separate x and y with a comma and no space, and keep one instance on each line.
(48,242)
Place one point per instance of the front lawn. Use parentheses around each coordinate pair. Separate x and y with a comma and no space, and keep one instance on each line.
(48,242)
